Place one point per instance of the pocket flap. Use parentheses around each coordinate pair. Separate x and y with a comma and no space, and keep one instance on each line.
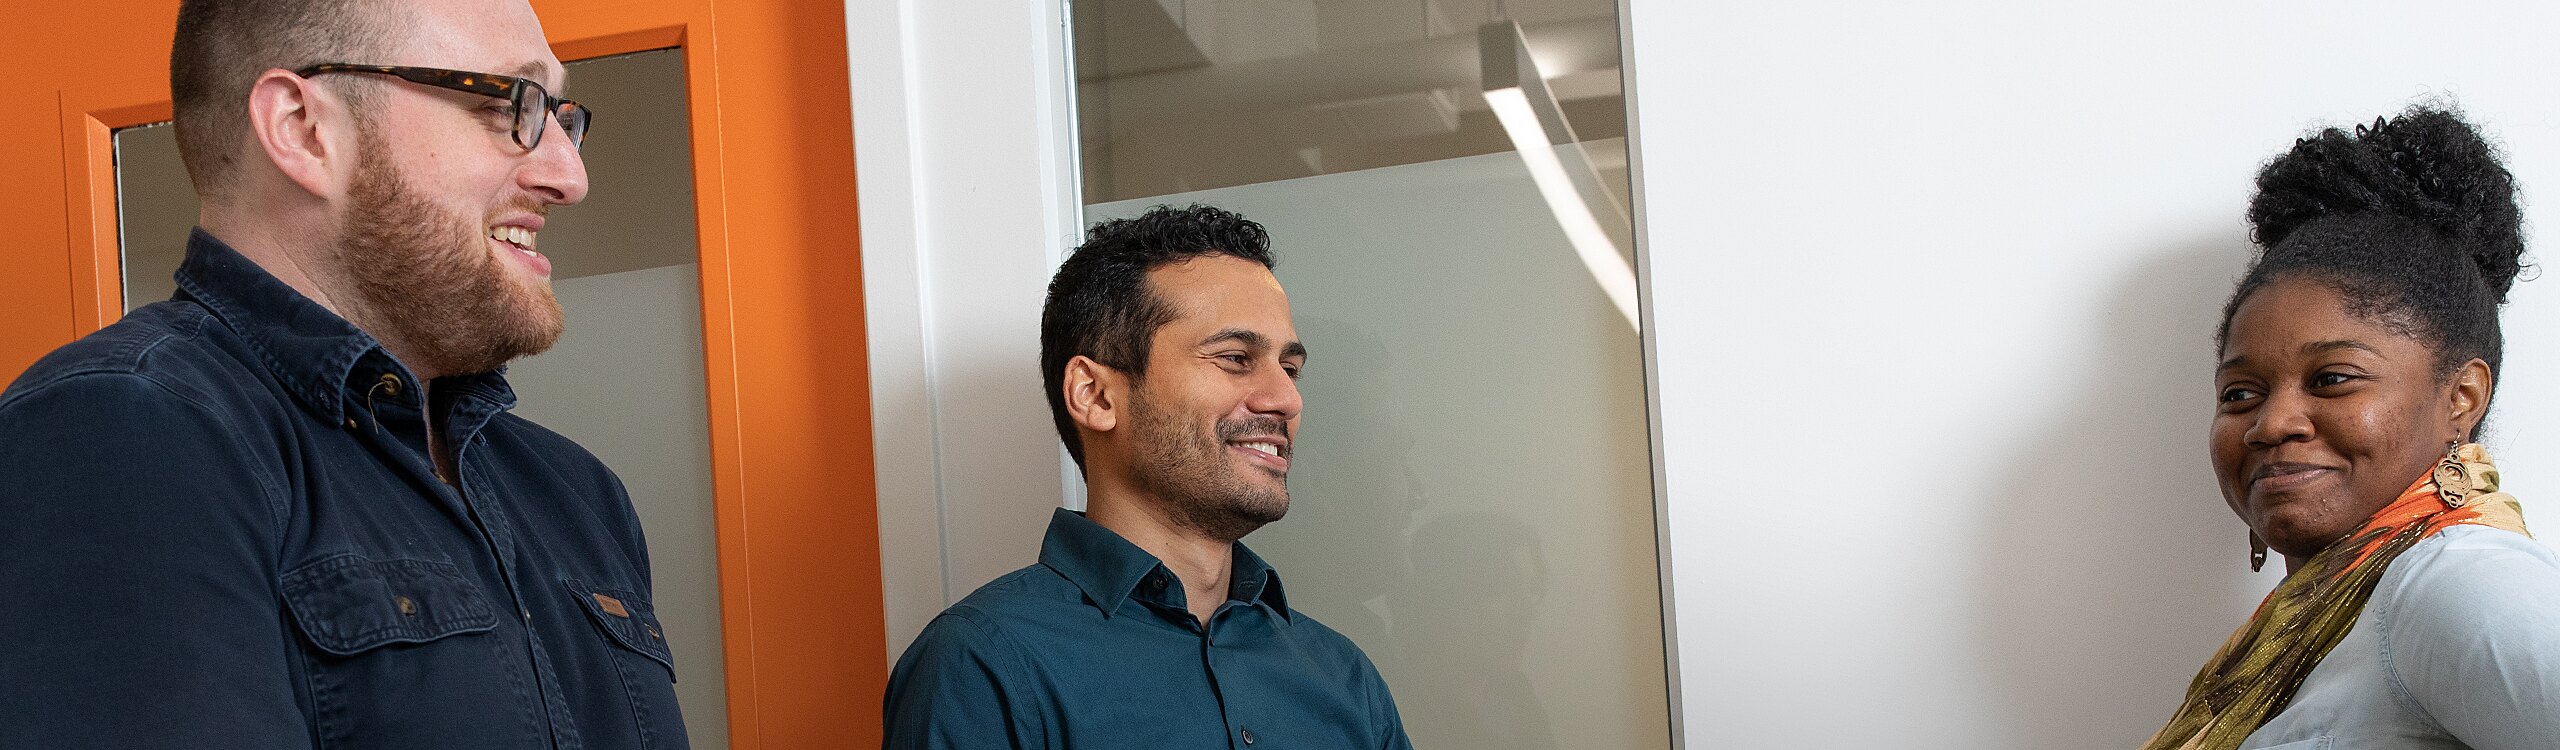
(349,604)
(626,617)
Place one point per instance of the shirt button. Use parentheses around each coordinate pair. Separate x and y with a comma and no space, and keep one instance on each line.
(1248,736)
(390,384)
(351,423)
(407,606)
(1157,582)
(528,614)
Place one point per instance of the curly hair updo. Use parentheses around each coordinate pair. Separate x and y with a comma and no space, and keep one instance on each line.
(2412,219)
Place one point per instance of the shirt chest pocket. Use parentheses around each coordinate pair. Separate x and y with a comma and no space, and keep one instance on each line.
(636,645)
(348,605)
(626,619)
(399,647)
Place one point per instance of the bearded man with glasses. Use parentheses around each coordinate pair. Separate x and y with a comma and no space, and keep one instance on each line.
(289,507)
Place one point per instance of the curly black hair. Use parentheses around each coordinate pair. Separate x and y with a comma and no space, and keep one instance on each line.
(1099,304)
(2413,219)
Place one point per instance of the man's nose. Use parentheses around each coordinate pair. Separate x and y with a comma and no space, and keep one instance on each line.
(1276,393)
(555,167)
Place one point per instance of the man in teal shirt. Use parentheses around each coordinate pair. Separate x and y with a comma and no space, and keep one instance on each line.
(1171,366)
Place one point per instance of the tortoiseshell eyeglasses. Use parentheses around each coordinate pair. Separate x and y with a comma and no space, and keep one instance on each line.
(532,102)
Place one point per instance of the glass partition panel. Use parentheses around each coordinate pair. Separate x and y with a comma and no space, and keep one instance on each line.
(155,208)
(1472,498)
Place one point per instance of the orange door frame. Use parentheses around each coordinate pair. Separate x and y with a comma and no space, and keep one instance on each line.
(804,638)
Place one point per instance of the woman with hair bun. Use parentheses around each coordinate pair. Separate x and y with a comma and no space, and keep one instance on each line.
(2358,356)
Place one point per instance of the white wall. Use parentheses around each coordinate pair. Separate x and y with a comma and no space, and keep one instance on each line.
(963,135)
(1933,288)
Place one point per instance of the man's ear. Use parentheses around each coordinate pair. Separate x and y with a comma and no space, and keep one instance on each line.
(2469,400)
(1096,394)
(298,127)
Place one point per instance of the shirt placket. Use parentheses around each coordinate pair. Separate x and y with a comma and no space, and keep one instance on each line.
(496,537)
(473,486)
(1240,731)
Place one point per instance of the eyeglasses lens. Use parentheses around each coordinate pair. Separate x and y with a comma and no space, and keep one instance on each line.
(529,120)
(573,122)
(530,102)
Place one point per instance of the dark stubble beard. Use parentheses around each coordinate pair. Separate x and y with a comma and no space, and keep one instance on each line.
(427,279)
(1194,477)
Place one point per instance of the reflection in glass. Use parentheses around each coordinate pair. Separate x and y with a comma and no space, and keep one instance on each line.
(1181,95)
(1472,498)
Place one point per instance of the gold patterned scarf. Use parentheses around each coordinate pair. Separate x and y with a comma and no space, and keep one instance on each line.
(2255,674)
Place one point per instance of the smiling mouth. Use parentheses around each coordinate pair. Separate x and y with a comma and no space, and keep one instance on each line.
(2282,476)
(1271,455)
(1264,447)
(520,238)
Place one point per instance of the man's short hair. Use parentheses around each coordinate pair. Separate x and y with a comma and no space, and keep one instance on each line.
(1099,303)
(223,45)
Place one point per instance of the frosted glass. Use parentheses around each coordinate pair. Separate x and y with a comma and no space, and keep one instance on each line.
(1471,500)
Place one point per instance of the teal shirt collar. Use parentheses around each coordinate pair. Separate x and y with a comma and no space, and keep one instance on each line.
(1111,571)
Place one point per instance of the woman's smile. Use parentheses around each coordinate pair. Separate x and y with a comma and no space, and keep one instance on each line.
(2284,478)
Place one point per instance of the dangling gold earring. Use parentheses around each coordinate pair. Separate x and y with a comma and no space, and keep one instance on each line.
(2453,480)
(2257,552)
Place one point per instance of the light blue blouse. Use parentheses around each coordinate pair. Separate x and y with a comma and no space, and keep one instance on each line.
(2458,648)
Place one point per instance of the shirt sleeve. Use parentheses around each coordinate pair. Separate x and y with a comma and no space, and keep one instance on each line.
(2476,644)
(961,685)
(137,575)
(1382,706)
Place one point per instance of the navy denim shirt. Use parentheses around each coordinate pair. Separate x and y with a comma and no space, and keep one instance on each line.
(1093,648)
(219,527)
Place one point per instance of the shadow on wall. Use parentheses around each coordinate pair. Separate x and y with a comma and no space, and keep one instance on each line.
(2112,566)
(1478,582)
(1442,601)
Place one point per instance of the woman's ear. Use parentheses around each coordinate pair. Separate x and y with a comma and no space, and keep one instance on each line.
(1095,394)
(2469,398)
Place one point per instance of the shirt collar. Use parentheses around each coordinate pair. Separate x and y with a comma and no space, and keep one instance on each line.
(327,363)
(1256,581)
(1110,570)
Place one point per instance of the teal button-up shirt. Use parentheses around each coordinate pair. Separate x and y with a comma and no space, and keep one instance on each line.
(1093,647)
